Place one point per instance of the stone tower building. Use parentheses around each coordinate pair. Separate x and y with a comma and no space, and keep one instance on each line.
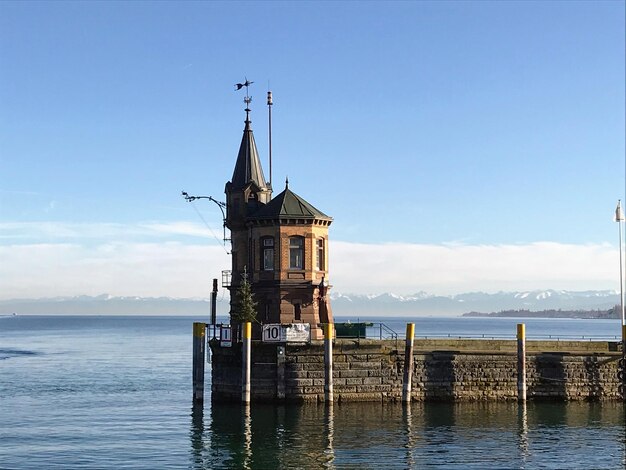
(281,244)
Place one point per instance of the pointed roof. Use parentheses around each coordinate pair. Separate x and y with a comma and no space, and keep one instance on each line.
(248,167)
(288,205)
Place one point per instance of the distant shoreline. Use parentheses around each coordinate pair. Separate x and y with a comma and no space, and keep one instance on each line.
(610,314)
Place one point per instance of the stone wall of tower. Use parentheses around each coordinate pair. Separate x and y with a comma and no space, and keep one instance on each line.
(239,255)
(311,234)
(283,291)
(281,234)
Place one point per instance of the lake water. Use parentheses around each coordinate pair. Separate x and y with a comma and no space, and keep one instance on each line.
(115,393)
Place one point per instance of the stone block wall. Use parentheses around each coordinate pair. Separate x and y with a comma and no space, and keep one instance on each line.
(446,370)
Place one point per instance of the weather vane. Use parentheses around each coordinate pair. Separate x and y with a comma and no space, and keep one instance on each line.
(248,98)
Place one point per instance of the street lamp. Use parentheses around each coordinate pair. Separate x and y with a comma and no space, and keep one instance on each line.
(619,218)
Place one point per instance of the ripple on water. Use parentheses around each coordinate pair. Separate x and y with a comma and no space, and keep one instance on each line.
(112,399)
(11,353)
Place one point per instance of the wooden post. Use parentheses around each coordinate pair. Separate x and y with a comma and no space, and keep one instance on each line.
(328,362)
(408,363)
(245,369)
(199,345)
(521,362)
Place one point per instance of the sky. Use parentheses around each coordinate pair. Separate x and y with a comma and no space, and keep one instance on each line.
(459,146)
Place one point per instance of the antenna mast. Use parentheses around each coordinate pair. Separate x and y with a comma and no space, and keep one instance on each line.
(269,110)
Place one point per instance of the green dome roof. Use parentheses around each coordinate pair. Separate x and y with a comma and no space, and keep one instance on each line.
(288,205)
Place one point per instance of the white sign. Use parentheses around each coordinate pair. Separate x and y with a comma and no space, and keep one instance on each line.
(287,333)
(226,336)
(297,332)
(272,333)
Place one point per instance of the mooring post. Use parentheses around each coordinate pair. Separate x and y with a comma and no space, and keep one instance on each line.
(521,362)
(408,363)
(328,362)
(199,331)
(245,373)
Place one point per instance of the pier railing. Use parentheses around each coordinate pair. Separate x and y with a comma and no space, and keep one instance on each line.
(382,331)
(362,330)
(550,337)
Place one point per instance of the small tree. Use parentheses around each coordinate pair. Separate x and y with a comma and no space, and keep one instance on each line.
(245,306)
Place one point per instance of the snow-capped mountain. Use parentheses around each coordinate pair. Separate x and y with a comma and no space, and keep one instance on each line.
(106,304)
(422,303)
(378,305)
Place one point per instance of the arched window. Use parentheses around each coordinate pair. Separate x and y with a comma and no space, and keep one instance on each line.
(296,253)
(320,258)
(267,253)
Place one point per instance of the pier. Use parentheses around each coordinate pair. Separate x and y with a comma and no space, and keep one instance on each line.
(420,369)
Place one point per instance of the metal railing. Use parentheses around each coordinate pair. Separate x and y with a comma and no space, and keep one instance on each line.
(382,331)
(507,336)
(364,330)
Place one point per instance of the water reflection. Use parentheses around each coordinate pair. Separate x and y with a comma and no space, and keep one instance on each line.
(462,435)
(247,436)
(522,429)
(329,422)
(196,436)
(408,426)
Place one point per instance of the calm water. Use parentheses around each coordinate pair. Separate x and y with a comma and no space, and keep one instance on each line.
(111,392)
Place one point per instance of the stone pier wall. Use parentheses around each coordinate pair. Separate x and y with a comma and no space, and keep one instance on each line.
(446,370)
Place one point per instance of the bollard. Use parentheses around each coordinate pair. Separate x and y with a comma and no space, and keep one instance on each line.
(408,363)
(245,370)
(199,331)
(521,362)
(328,362)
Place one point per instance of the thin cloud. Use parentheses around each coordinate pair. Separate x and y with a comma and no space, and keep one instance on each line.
(456,268)
(176,269)
(60,231)
(142,269)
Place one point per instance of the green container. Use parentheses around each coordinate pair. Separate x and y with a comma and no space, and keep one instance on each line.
(351,330)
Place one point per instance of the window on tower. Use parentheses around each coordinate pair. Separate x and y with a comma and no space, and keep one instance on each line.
(320,254)
(296,253)
(297,310)
(267,254)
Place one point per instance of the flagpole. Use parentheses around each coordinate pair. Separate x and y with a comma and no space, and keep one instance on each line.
(269,109)
(619,218)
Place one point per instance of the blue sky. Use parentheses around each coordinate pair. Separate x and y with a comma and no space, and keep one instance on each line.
(419,126)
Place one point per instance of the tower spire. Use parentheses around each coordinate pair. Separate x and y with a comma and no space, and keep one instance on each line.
(248,166)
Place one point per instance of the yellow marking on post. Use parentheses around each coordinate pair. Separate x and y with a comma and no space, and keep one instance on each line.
(199,330)
(328,331)
(410,330)
(247,330)
(521,331)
